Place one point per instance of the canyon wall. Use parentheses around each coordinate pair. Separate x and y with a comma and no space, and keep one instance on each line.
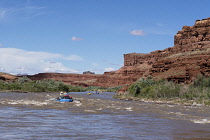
(85,80)
(189,57)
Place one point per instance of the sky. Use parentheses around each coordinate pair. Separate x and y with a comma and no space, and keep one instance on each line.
(73,36)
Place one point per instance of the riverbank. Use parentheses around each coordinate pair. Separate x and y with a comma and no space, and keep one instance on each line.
(24,84)
(163,91)
(172,101)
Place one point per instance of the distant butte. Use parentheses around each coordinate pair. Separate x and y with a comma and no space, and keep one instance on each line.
(189,57)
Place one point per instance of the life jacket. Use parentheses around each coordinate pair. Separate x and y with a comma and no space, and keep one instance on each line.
(67,97)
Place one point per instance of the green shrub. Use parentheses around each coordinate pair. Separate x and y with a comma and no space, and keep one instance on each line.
(136,88)
(148,88)
(46,85)
(201,82)
(168,90)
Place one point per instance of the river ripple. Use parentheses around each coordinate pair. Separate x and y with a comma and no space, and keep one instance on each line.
(98,116)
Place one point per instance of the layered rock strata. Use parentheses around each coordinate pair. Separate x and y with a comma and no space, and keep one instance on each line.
(189,57)
(86,80)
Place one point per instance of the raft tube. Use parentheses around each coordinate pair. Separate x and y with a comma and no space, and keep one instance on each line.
(65,100)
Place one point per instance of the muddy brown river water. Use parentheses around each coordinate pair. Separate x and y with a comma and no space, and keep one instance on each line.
(34,116)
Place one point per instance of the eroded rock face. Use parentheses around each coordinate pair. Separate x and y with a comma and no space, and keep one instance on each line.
(85,80)
(193,38)
(181,63)
(7,77)
(72,79)
(189,57)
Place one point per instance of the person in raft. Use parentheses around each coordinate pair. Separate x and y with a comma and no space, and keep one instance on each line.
(64,96)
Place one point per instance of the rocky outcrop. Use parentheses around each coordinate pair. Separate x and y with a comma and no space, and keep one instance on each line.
(189,57)
(72,79)
(181,63)
(88,72)
(86,80)
(7,77)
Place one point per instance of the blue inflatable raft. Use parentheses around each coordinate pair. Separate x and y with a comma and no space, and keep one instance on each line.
(65,98)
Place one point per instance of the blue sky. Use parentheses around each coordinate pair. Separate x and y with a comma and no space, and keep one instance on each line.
(73,36)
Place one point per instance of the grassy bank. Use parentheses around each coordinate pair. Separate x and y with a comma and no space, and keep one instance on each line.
(165,91)
(25,84)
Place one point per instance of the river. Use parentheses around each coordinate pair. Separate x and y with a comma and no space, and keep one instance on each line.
(34,116)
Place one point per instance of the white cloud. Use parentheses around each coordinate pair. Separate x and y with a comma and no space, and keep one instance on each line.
(137,32)
(76,38)
(109,69)
(20,11)
(57,67)
(13,60)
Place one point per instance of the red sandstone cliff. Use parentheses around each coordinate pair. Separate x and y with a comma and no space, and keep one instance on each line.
(189,57)
(85,80)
